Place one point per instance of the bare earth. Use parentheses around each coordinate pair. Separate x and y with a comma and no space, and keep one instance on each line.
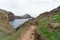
(28,34)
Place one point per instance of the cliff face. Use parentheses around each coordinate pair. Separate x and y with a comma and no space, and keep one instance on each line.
(11,16)
(4,22)
(6,16)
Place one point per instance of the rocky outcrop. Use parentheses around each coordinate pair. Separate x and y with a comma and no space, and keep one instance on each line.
(6,15)
(11,16)
(54,25)
(23,17)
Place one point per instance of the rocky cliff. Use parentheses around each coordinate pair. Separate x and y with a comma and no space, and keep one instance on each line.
(4,22)
(6,15)
(11,16)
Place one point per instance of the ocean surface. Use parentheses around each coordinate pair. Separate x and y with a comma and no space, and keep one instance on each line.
(17,22)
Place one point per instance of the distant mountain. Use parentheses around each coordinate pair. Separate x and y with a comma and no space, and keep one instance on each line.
(27,15)
(23,17)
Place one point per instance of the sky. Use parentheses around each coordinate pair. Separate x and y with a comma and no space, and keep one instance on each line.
(32,7)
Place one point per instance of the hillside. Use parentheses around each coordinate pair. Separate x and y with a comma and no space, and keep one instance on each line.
(5,27)
(49,24)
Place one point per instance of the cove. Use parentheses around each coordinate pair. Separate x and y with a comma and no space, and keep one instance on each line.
(17,22)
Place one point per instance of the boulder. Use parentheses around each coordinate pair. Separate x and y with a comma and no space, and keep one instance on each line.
(54,25)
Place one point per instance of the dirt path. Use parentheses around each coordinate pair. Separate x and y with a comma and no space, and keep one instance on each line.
(28,34)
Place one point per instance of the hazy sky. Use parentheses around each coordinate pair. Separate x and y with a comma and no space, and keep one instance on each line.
(32,7)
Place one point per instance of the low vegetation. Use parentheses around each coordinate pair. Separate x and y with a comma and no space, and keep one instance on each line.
(49,33)
(56,18)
